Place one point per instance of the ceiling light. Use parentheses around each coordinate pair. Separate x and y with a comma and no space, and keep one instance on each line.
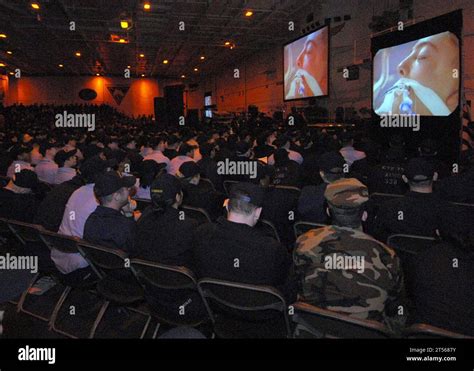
(166,61)
(60,65)
(129,66)
(78,54)
(11,73)
(3,65)
(143,75)
(35,6)
(183,76)
(227,43)
(124,24)
(248,13)
(122,41)
(196,69)
(97,74)
(142,55)
(147,6)
(9,52)
(3,36)
(203,57)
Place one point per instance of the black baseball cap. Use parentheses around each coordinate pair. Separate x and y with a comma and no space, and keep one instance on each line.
(248,192)
(94,166)
(331,162)
(45,146)
(111,182)
(189,169)
(20,149)
(419,170)
(242,147)
(165,187)
(26,179)
(62,156)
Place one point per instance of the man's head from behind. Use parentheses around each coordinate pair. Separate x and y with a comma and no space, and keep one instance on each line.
(345,198)
(331,166)
(420,174)
(113,190)
(245,203)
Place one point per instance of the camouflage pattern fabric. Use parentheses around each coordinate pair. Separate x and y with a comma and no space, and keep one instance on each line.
(361,293)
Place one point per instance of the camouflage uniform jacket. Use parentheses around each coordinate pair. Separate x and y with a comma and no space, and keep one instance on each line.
(322,254)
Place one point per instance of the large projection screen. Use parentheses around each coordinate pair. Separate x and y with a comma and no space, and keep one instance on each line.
(419,77)
(305,63)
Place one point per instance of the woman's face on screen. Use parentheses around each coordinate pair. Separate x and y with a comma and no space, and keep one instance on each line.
(432,62)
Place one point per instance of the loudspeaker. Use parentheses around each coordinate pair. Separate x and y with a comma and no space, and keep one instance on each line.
(174,103)
(160,111)
(353,73)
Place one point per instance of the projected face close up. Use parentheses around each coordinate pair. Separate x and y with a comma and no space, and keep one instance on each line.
(306,66)
(419,77)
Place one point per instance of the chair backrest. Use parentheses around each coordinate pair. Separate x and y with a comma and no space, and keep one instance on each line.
(198,214)
(151,274)
(315,322)
(268,228)
(227,184)
(290,189)
(242,298)
(102,259)
(425,331)
(300,228)
(5,230)
(142,203)
(25,232)
(65,244)
(209,183)
(410,245)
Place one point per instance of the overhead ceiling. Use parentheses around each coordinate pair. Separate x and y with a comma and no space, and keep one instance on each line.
(42,39)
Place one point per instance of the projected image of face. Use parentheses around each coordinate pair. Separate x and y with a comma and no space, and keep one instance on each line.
(306,64)
(420,77)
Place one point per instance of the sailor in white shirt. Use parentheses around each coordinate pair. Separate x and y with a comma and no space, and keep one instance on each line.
(157,154)
(67,161)
(348,151)
(284,142)
(185,154)
(22,160)
(47,168)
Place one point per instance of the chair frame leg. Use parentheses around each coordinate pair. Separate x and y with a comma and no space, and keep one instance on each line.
(57,308)
(99,317)
(156,330)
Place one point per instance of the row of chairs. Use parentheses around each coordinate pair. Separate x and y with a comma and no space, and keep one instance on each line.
(299,319)
(202,216)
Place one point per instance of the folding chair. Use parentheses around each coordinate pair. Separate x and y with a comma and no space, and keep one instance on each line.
(268,228)
(227,184)
(198,214)
(295,191)
(406,244)
(142,203)
(25,232)
(300,228)
(67,245)
(29,237)
(425,331)
(314,322)
(240,310)
(209,183)
(5,231)
(178,301)
(117,284)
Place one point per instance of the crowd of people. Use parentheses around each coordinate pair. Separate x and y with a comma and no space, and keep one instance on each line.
(85,184)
